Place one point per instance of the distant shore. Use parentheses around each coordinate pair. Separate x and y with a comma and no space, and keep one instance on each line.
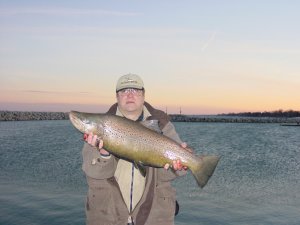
(233,119)
(25,116)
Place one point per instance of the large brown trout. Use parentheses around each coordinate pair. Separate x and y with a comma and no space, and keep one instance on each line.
(139,143)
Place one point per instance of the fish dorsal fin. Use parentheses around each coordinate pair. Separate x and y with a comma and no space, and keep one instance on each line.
(152,125)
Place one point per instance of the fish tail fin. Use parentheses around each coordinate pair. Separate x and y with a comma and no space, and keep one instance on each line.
(204,169)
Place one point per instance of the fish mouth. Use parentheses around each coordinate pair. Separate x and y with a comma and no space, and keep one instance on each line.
(73,117)
(76,121)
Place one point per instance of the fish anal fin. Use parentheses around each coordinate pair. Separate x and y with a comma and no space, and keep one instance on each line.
(141,168)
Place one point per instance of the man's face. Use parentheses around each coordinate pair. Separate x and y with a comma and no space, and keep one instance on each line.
(131,100)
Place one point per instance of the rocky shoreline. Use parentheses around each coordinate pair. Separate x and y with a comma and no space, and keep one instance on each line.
(25,116)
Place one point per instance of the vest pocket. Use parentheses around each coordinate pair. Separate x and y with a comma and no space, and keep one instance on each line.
(99,205)
(164,203)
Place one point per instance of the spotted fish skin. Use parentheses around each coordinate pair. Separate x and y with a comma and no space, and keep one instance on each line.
(135,142)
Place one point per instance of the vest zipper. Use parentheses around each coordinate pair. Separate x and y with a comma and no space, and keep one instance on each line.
(130,219)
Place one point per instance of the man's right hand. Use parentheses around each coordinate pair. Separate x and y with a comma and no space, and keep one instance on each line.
(94,141)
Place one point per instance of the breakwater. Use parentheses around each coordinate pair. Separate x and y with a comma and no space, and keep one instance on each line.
(23,116)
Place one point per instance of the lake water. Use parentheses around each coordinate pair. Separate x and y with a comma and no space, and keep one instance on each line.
(256,182)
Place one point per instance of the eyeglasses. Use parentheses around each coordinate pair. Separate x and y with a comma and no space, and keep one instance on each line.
(133,91)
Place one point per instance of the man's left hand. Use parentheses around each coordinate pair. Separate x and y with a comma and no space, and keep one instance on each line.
(177,164)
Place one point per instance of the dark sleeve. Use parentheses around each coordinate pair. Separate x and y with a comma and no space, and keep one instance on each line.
(170,131)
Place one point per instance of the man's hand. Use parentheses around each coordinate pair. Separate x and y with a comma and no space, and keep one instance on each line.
(177,164)
(94,141)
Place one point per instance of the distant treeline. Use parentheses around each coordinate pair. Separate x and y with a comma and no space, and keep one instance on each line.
(278,114)
(18,115)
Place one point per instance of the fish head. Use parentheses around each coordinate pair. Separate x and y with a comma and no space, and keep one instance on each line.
(87,122)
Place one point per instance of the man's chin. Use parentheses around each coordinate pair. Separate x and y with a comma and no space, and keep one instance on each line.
(131,106)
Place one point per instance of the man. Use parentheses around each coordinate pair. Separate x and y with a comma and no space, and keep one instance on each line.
(118,192)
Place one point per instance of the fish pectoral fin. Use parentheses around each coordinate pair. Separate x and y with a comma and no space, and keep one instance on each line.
(152,125)
(140,167)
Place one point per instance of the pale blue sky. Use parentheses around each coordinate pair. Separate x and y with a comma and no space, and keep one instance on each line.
(203,56)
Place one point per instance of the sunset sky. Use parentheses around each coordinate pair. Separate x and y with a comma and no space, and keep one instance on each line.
(205,57)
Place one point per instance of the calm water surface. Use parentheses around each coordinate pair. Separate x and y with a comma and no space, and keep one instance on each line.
(256,182)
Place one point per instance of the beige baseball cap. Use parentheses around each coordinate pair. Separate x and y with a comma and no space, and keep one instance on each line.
(129,81)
